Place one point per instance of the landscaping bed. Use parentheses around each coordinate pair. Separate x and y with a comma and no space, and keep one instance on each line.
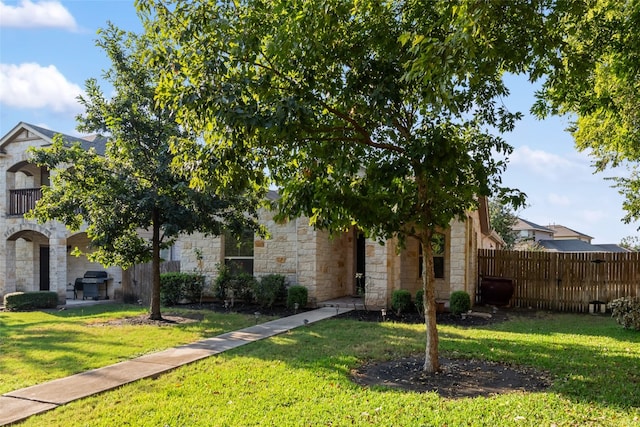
(458,377)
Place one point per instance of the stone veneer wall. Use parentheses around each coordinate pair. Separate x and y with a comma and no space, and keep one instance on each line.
(277,254)
(20,257)
(325,266)
(25,266)
(23,259)
(380,273)
(306,263)
(457,257)
(410,265)
(331,266)
(474,239)
(210,248)
(465,237)
(294,249)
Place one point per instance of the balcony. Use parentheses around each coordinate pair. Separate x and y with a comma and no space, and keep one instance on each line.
(23,200)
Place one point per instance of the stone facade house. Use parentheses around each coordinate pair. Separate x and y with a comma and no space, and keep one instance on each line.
(350,265)
(37,256)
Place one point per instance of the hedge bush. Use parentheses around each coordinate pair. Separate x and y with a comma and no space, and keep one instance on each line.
(242,285)
(459,302)
(297,294)
(193,287)
(230,286)
(222,282)
(269,289)
(626,311)
(176,286)
(400,300)
(23,301)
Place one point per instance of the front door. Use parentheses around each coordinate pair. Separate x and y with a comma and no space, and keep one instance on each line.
(44,268)
(360,264)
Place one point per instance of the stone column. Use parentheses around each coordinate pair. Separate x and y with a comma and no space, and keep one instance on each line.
(58,267)
(9,266)
(457,257)
(379,278)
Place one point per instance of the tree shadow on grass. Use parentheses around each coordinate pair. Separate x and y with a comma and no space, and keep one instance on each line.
(477,361)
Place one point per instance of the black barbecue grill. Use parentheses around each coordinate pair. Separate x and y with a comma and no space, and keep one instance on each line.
(91,283)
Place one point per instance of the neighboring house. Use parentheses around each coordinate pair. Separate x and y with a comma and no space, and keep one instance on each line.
(560,232)
(531,232)
(576,245)
(557,238)
(37,256)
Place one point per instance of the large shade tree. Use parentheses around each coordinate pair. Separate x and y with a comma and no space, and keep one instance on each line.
(503,219)
(383,115)
(593,78)
(135,199)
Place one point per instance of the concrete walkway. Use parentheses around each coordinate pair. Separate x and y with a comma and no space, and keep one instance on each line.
(21,404)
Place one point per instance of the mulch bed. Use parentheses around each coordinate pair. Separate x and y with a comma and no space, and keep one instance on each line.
(457,378)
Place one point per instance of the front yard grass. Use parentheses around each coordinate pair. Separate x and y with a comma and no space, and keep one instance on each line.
(40,346)
(301,378)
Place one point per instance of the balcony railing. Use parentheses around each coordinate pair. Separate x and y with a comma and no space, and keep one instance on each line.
(23,200)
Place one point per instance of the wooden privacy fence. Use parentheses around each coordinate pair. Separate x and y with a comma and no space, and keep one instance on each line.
(563,281)
(136,281)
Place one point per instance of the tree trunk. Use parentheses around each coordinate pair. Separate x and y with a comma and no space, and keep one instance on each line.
(431,362)
(154,309)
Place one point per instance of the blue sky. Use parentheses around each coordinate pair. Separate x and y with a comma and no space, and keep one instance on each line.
(47,52)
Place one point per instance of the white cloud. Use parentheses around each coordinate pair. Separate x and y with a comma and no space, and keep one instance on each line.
(31,85)
(550,166)
(43,14)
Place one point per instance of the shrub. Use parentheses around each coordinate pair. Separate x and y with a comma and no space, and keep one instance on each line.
(269,289)
(177,286)
(242,285)
(193,287)
(297,294)
(233,286)
(170,288)
(420,302)
(222,282)
(22,301)
(400,300)
(460,302)
(626,311)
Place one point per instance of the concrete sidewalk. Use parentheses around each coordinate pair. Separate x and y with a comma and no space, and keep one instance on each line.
(21,404)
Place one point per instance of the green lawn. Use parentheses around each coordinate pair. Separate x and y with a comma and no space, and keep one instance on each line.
(302,379)
(40,346)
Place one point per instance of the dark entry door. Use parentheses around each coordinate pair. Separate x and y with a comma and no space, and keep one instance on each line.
(44,268)
(360,264)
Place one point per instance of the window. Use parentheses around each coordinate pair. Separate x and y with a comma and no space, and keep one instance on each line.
(437,243)
(170,254)
(238,252)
